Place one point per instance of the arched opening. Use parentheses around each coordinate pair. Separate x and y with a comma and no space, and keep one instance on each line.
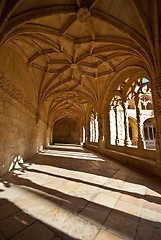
(130,107)
(66,131)
(149,133)
(133,131)
(117,129)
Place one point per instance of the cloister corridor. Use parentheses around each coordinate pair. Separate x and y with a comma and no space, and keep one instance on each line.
(68,192)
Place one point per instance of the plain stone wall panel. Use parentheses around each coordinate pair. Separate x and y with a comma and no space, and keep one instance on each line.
(19,133)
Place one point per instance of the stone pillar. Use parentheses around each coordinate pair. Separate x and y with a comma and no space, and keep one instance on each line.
(94,122)
(100,133)
(51,138)
(103,130)
(81,134)
(156,94)
(116,124)
(107,129)
(87,129)
(127,138)
(91,130)
(140,139)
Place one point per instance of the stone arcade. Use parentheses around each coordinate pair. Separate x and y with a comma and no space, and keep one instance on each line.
(82,72)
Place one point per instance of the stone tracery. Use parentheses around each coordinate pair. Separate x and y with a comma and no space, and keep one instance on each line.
(132,103)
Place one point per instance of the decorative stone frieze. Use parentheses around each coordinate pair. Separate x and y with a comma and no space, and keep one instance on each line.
(15,93)
(7,86)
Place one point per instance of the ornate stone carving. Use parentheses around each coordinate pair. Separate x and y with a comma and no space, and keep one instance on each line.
(83,14)
(73,66)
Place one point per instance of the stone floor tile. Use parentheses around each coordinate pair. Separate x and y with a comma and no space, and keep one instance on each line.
(75,204)
(135,199)
(35,231)
(43,179)
(84,190)
(121,225)
(146,232)
(153,196)
(3,202)
(82,229)
(151,217)
(15,223)
(2,237)
(99,180)
(136,178)
(127,207)
(89,196)
(41,207)
(85,176)
(7,210)
(114,183)
(71,224)
(68,187)
(152,206)
(111,193)
(56,183)
(95,213)
(105,235)
(26,199)
(12,192)
(105,200)
(57,217)
(134,188)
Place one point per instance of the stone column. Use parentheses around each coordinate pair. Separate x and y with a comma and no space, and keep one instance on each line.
(156,94)
(51,138)
(107,129)
(91,130)
(87,129)
(140,139)
(116,124)
(81,134)
(100,133)
(104,134)
(94,128)
(127,138)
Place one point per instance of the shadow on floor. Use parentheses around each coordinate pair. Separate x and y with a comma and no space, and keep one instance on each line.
(115,220)
(124,224)
(149,198)
(98,165)
(15,224)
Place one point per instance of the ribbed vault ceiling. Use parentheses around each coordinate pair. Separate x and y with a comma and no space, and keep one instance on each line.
(77,51)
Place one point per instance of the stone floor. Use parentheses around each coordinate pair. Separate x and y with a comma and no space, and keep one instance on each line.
(66,192)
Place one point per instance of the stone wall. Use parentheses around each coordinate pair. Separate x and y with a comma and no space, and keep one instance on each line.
(66,131)
(19,133)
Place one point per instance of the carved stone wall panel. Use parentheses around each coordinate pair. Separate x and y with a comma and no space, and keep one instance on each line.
(15,93)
